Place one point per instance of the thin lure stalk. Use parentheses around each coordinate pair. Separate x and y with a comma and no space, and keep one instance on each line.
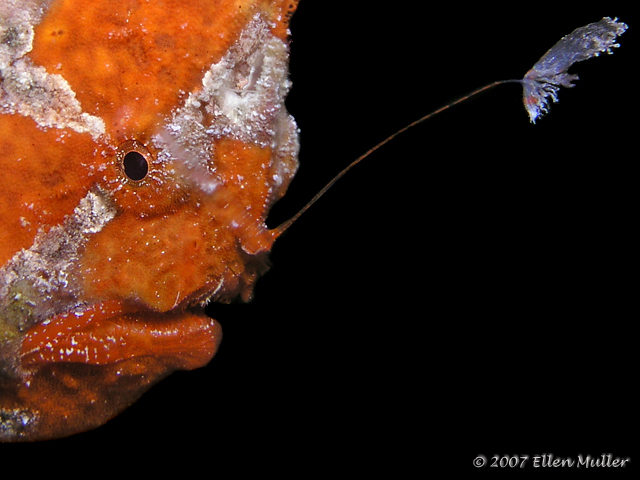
(284,226)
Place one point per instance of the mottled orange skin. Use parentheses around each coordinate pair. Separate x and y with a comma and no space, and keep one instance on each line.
(130,63)
(37,189)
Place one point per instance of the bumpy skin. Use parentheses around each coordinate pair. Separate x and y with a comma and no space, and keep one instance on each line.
(104,267)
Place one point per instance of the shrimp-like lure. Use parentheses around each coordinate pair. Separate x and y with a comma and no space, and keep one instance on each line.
(543,81)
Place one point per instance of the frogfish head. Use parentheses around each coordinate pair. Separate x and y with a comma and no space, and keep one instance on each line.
(142,145)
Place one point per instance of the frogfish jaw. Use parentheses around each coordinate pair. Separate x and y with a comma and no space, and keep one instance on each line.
(77,371)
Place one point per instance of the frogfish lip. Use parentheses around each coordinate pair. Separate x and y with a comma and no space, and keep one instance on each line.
(109,333)
(79,369)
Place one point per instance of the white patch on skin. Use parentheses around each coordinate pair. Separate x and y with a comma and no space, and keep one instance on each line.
(15,421)
(28,89)
(39,282)
(242,98)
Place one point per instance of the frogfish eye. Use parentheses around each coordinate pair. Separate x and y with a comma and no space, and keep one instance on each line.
(133,159)
(135,165)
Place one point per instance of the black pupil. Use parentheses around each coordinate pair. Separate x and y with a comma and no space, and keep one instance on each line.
(135,166)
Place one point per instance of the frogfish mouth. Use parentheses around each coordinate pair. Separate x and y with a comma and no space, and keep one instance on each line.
(142,146)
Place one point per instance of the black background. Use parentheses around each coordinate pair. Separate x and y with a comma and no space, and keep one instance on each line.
(469,289)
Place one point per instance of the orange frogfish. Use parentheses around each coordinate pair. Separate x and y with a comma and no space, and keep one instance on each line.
(142,145)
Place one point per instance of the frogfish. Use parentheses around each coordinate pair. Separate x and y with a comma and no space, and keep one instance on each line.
(142,146)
